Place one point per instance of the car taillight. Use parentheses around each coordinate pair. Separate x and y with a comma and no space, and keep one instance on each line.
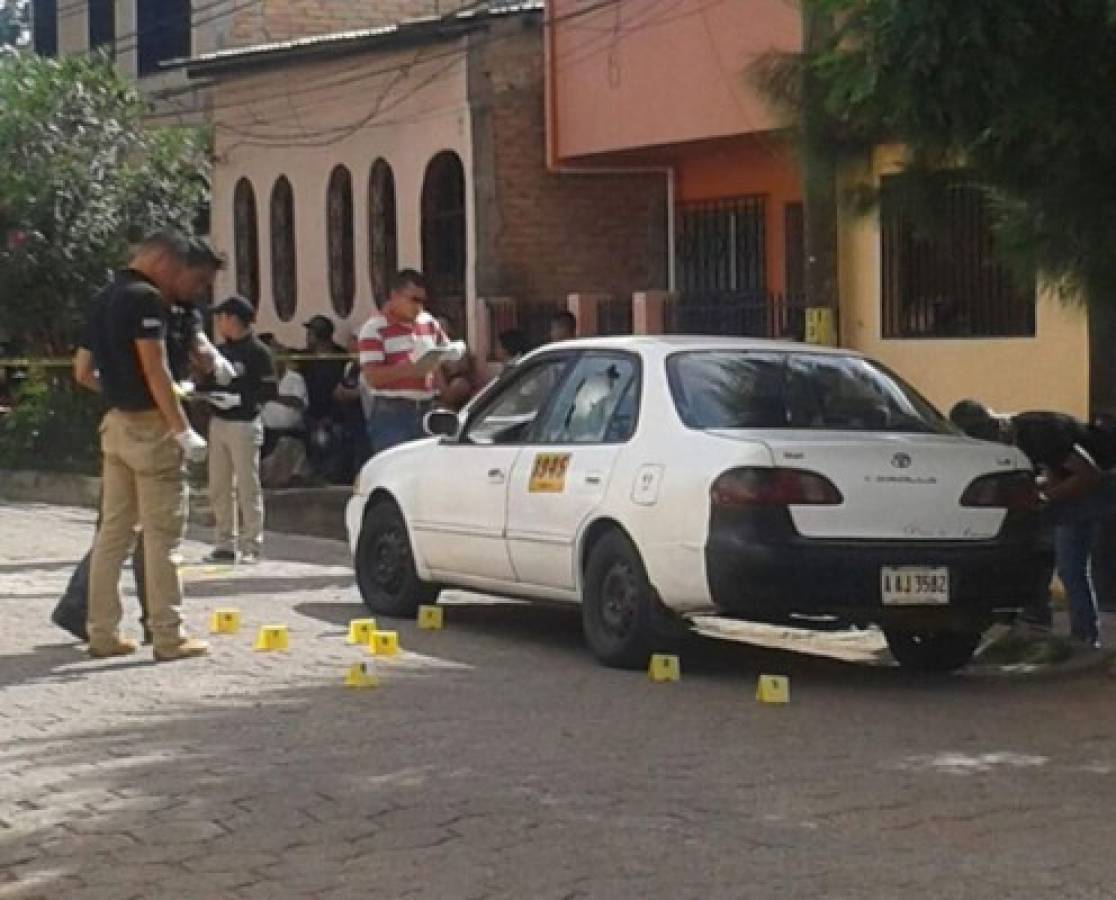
(1014,491)
(754,486)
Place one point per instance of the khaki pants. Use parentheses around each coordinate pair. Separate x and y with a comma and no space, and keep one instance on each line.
(234,465)
(142,483)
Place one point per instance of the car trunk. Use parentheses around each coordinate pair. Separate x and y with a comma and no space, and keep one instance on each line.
(895,486)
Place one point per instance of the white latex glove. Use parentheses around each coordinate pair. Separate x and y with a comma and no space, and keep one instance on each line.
(193,445)
(223,370)
(223,399)
(184,389)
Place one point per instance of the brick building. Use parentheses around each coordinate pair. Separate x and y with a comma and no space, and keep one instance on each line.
(344,157)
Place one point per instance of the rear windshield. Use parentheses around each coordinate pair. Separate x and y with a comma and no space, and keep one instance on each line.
(742,389)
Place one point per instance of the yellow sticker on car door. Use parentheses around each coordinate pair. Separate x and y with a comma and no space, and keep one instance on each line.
(549,473)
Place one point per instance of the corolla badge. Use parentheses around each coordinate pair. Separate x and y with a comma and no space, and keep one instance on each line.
(901,461)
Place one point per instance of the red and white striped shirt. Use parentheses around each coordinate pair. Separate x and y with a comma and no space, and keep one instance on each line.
(387,342)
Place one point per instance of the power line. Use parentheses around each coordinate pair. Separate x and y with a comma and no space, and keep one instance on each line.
(338,79)
(328,136)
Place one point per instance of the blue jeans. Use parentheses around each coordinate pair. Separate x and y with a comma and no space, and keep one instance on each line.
(395,421)
(1077,523)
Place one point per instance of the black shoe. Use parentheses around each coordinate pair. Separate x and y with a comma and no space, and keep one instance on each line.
(221,556)
(77,629)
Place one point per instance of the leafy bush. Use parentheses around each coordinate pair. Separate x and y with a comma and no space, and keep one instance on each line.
(52,426)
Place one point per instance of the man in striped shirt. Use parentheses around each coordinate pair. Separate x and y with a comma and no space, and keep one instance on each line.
(402,379)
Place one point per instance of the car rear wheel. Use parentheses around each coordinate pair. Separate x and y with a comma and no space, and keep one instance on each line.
(620,613)
(385,566)
(940,651)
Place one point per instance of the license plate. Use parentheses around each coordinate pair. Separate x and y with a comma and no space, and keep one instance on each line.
(914,585)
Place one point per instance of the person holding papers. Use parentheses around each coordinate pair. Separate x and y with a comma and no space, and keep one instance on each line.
(401,351)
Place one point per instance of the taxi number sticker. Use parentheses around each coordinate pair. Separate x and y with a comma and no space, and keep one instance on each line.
(549,474)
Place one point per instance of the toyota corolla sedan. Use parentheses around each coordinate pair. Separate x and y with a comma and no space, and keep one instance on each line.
(654,478)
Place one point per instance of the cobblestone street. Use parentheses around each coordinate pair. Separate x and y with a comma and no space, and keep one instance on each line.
(497,759)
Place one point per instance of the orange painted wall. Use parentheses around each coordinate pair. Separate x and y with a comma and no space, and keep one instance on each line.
(735,167)
(643,73)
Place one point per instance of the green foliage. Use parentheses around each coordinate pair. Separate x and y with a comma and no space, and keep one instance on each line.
(1019,94)
(82,176)
(52,426)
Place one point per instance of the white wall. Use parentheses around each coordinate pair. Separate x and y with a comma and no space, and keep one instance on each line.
(267,125)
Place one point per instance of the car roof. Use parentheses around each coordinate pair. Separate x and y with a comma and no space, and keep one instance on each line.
(670,343)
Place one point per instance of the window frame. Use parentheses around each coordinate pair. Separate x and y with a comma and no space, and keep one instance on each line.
(289,248)
(635,384)
(246,247)
(341,240)
(505,382)
(983,290)
(789,358)
(383,231)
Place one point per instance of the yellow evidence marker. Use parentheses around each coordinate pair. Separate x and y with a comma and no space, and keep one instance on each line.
(224,621)
(361,675)
(431,618)
(360,630)
(384,643)
(272,637)
(773,689)
(664,667)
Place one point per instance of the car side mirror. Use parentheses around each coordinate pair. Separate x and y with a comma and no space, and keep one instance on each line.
(442,423)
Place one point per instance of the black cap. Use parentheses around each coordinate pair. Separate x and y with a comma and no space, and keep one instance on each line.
(320,325)
(237,306)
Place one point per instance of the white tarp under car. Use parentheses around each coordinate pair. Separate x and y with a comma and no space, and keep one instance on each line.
(652,478)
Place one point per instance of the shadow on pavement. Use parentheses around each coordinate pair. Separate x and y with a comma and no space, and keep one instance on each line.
(251,584)
(44,565)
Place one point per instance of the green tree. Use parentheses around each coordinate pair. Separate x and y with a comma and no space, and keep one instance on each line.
(1017,95)
(82,177)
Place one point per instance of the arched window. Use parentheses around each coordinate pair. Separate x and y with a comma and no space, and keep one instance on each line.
(284,272)
(383,246)
(339,237)
(443,235)
(246,241)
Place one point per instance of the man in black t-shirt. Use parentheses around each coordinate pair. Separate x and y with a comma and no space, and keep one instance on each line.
(1077,473)
(145,436)
(236,434)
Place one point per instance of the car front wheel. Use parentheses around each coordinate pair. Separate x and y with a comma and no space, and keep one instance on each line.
(941,651)
(385,566)
(620,614)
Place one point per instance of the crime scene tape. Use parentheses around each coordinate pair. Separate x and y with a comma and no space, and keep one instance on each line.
(66,362)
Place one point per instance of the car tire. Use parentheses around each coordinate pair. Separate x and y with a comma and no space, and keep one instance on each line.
(385,565)
(620,614)
(941,651)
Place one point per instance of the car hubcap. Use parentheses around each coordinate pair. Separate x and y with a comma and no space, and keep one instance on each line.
(619,599)
(389,560)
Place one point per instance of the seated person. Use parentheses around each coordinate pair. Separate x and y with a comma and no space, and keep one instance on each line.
(285,415)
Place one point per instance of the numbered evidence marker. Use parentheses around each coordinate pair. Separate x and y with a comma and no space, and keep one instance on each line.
(773,689)
(272,637)
(361,675)
(664,667)
(224,621)
(384,643)
(430,618)
(360,630)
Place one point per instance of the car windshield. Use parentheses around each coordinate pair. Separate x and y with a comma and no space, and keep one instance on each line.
(813,391)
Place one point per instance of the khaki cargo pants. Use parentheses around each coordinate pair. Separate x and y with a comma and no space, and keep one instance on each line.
(143,484)
(234,481)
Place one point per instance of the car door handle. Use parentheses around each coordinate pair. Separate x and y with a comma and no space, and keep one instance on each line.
(593,478)
(496,476)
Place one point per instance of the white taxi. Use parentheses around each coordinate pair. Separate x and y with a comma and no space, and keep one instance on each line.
(653,478)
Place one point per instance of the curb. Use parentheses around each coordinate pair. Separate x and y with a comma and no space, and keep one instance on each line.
(59,488)
(312,512)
